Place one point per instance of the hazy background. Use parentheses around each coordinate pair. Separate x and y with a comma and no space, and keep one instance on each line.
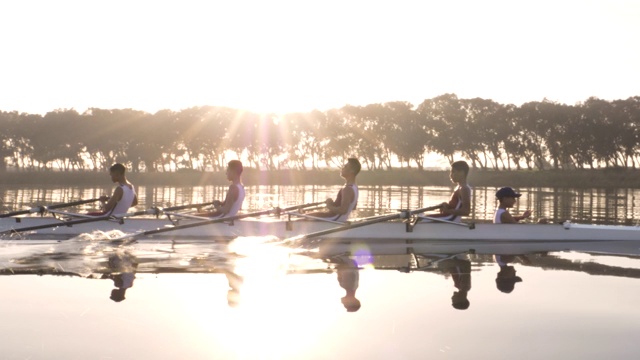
(282,56)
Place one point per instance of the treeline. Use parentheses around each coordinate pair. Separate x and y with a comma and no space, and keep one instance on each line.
(535,135)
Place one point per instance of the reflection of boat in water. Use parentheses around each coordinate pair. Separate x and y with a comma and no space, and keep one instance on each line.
(426,237)
(407,259)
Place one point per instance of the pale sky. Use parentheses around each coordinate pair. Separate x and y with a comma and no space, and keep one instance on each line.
(282,56)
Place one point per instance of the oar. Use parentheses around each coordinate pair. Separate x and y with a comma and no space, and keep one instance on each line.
(436,219)
(211,221)
(42,208)
(187,206)
(119,217)
(277,210)
(152,211)
(362,222)
(60,223)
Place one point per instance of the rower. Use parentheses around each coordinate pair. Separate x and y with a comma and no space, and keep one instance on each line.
(347,199)
(235,194)
(507,198)
(459,204)
(124,195)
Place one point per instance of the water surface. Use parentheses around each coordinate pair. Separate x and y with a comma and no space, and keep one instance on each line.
(89,298)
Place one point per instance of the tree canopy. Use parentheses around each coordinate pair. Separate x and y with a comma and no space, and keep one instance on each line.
(535,135)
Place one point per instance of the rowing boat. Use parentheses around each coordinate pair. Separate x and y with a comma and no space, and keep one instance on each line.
(494,239)
(427,237)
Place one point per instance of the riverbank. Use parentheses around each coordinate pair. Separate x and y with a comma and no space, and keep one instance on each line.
(607,178)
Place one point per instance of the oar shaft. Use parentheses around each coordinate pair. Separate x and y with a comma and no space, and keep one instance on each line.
(303,206)
(365,222)
(188,206)
(74,203)
(42,208)
(52,225)
(199,223)
(213,221)
(15,213)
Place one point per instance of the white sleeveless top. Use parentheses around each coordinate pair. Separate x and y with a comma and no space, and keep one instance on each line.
(345,216)
(237,205)
(456,202)
(128,194)
(498,215)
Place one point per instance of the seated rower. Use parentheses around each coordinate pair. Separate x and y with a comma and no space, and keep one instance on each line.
(507,198)
(459,204)
(235,194)
(124,195)
(347,199)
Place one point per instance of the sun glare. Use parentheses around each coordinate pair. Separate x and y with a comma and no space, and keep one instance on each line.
(278,312)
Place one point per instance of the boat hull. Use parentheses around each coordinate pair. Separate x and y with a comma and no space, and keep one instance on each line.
(424,237)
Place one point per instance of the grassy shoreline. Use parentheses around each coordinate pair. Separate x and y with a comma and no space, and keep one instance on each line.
(608,178)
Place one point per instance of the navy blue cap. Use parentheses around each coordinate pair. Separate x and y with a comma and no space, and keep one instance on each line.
(507,192)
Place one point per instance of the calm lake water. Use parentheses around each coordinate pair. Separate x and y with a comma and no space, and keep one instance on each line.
(602,206)
(82,299)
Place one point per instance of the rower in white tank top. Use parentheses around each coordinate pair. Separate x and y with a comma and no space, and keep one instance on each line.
(340,209)
(497,217)
(237,205)
(352,205)
(128,195)
(233,208)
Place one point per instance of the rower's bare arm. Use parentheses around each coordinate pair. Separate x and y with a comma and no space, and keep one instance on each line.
(135,200)
(117,195)
(524,215)
(507,218)
(465,207)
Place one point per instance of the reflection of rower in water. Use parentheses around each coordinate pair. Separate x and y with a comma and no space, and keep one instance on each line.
(460,271)
(348,278)
(506,278)
(235,282)
(123,266)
